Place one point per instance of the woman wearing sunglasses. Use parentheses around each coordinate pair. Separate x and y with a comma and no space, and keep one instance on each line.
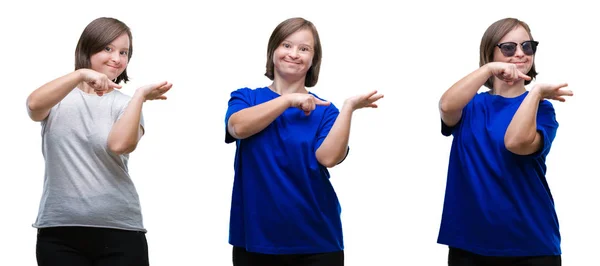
(498,208)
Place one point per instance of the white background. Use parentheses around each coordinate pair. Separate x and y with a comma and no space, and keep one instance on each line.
(391,186)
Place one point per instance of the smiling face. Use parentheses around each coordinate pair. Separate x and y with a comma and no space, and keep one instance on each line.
(524,62)
(293,58)
(105,45)
(113,59)
(503,31)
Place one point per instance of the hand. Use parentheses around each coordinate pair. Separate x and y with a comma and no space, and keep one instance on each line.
(364,100)
(507,72)
(98,81)
(155,91)
(552,92)
(306,102)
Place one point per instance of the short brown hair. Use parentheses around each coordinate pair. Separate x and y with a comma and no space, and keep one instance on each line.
(490,39)
(95,37)
(282,31)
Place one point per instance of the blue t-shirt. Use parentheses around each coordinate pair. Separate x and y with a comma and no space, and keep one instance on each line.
(283,201)
(498,203)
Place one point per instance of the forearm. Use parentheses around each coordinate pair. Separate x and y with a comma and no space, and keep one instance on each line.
(335,146)
(521,137)
(48,95)
(252,120)
(458,96)
(126,132)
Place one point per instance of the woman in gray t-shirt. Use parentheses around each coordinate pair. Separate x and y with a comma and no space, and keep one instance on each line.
(89,212)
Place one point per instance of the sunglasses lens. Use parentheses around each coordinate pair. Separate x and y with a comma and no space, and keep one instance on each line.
(508,49)
(529,48)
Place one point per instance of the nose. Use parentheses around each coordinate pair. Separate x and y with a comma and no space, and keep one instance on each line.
(519,52)
(293,53)
(115,57)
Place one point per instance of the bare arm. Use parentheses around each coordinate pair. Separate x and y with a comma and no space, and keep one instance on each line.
(458,96)
(252,120)
(48,95)
(127,131)
(335,146)
(522,136)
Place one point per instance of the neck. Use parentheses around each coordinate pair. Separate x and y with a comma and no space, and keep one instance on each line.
(286,86)
(502,88)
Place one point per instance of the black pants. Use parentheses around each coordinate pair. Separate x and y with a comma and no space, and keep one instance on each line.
(241,257)
(459,257)
(88,246)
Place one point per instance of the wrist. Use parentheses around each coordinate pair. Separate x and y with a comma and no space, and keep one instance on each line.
(80,74)
(288,100)
(348,107)
(536,93)
(139,95)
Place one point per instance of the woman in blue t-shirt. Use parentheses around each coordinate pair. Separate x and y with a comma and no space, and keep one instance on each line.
(498,209)
(284,210)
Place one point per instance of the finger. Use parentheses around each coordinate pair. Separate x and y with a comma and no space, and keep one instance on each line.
(369,95)
(515,74)
(321,102)
(372,105)
(559,98)
(523,76)
(565,92)
(307,113)
(160,84)
(114,85)
(561,85)
(375,98)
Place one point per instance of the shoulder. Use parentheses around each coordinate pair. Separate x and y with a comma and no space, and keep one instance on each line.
(249,91)
(120,99)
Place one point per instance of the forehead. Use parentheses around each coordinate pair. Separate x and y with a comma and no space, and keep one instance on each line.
(121,41)
(301,36)
(518,35)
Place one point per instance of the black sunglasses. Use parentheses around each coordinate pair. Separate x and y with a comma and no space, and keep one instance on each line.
(509,49)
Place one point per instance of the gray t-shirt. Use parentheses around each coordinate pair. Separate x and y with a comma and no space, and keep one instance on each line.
(85,184)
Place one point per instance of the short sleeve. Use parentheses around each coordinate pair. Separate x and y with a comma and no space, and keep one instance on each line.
(451,130)
(546,126)
(329,117)
(122,111)
(239,100)
(448,130)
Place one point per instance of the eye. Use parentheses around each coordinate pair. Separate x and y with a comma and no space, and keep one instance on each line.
(304,49)
(108,49)
(509,47)
(124,52)
(286,45)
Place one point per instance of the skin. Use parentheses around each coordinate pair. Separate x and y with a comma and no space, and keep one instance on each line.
(106,66)
(292,60)
(509,81)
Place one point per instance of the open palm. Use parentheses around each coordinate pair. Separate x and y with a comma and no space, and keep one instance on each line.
(364,100)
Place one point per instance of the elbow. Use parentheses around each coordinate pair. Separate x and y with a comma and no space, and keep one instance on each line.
(237,130)
(519,146)
(121,148)
(327,161)
(35,111)
(446,107)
